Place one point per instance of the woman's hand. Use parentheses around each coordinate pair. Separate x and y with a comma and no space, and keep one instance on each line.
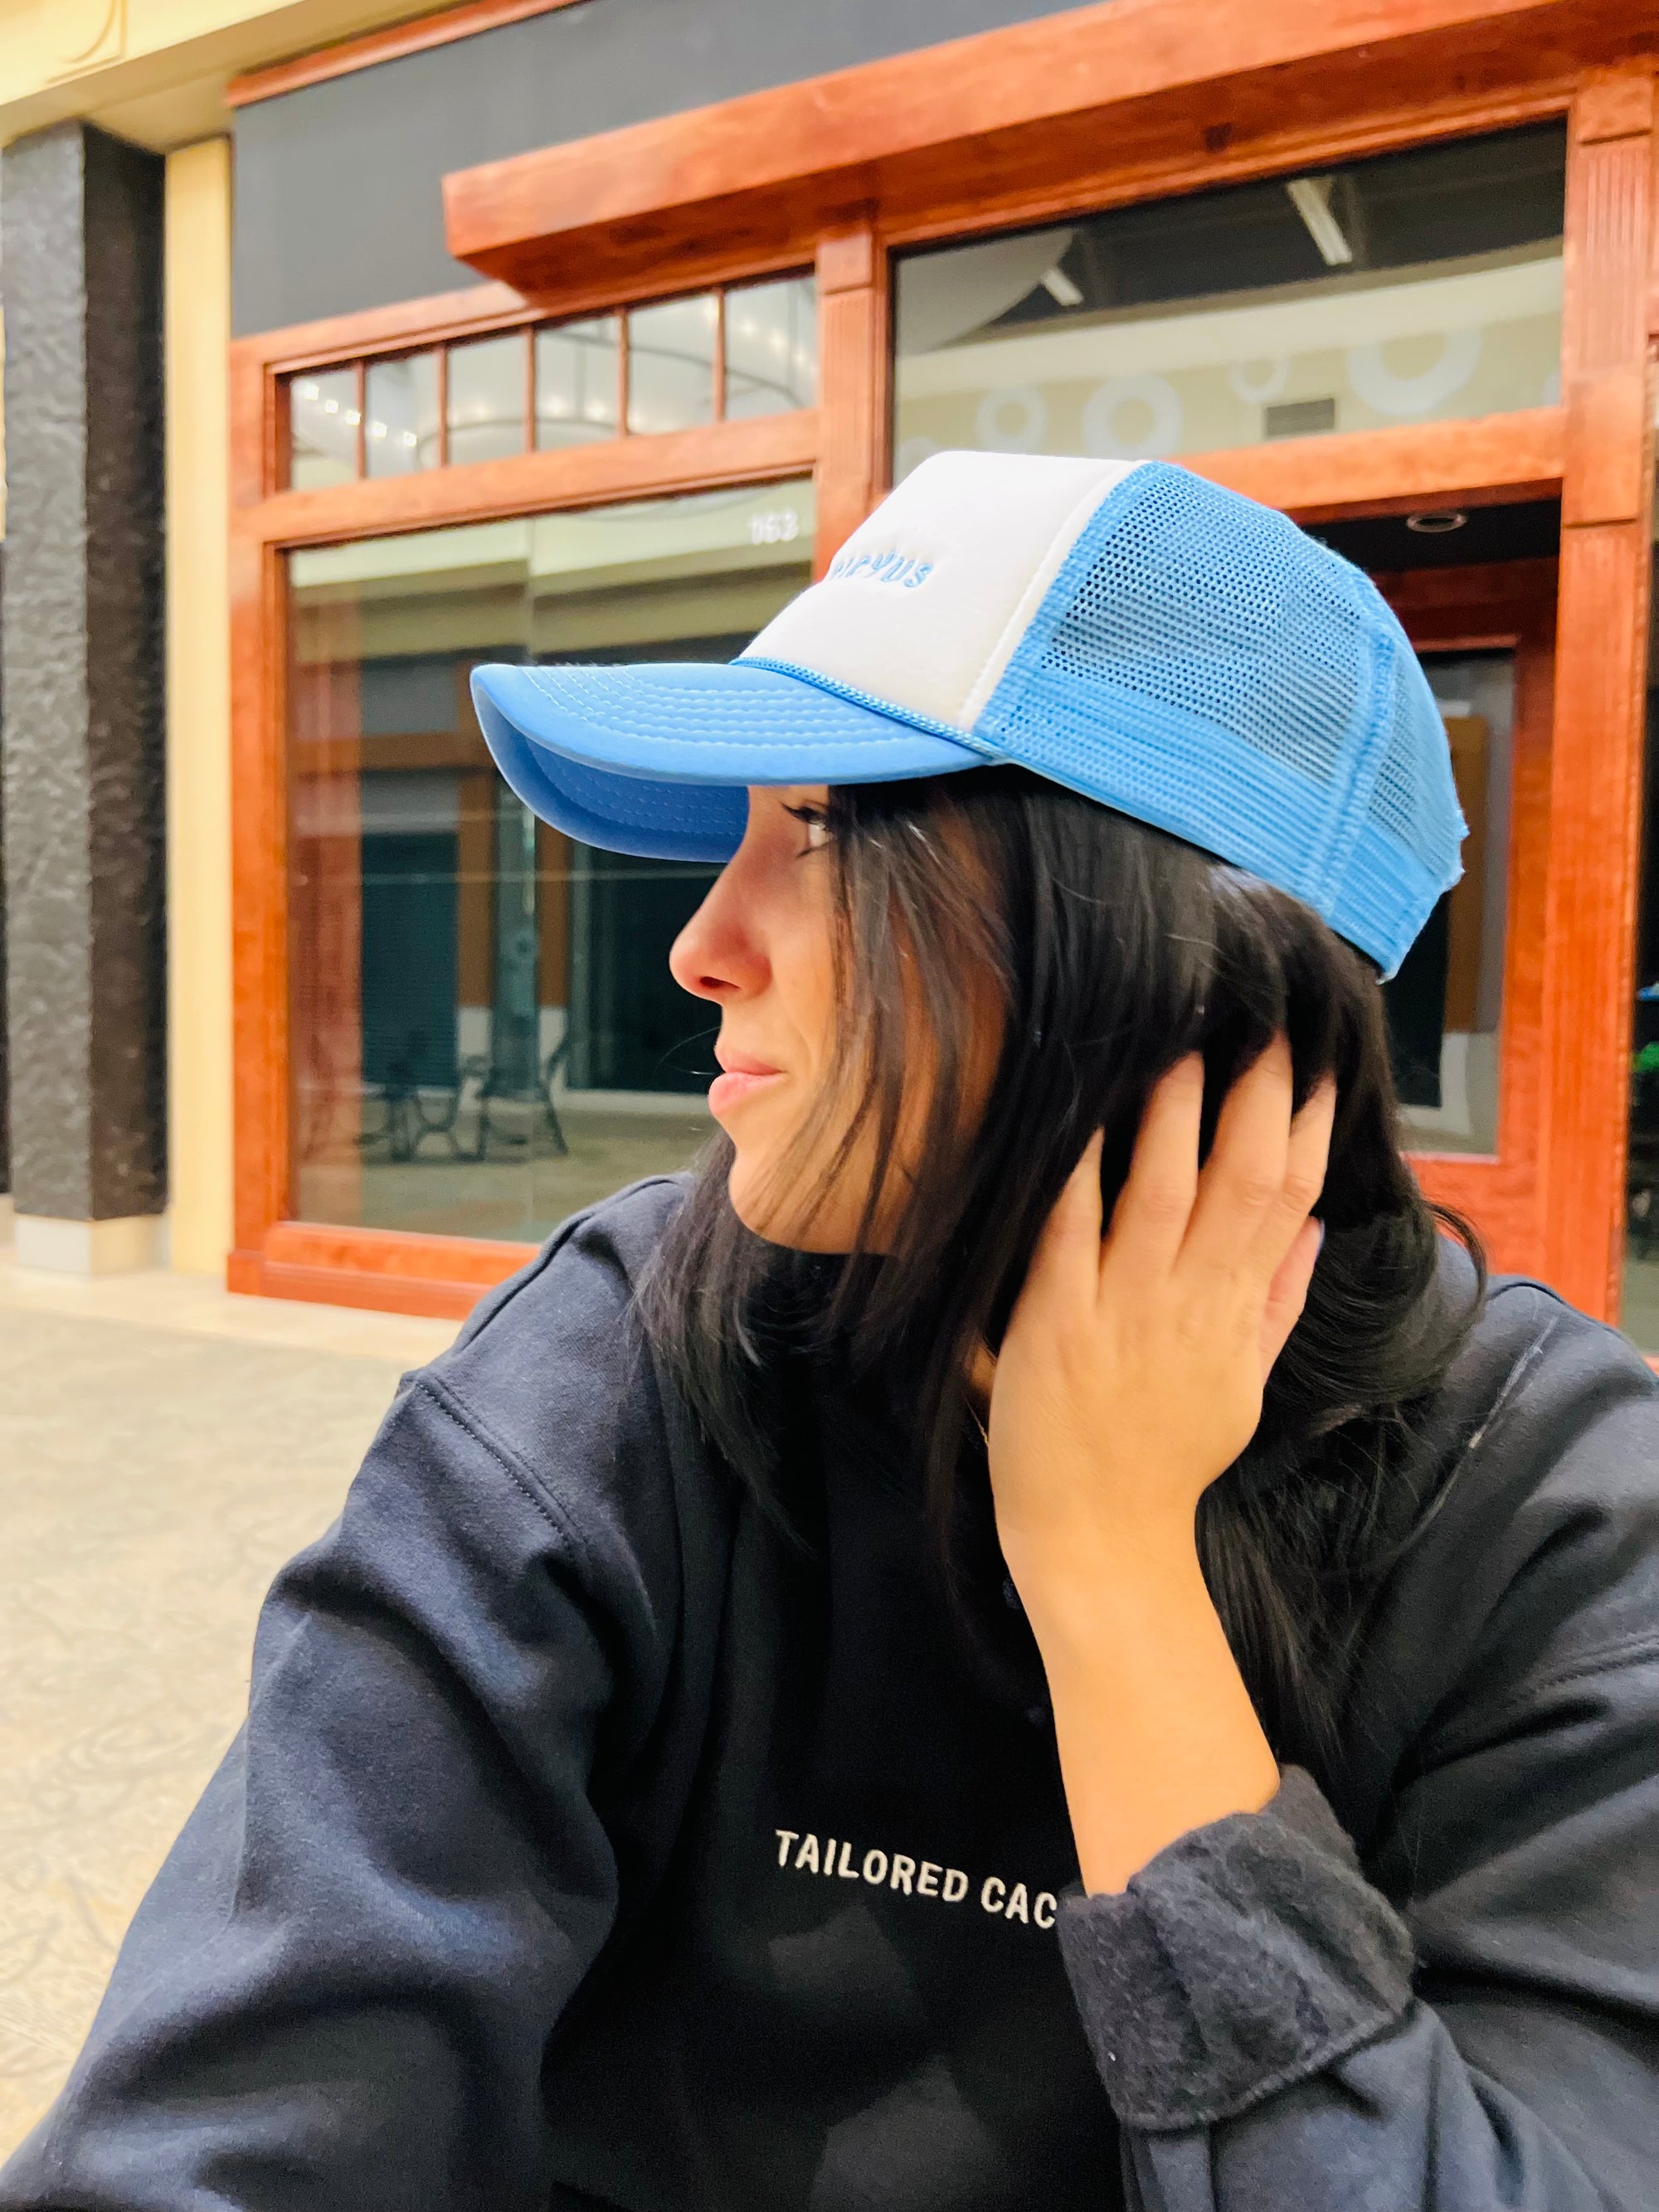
(1130,1378)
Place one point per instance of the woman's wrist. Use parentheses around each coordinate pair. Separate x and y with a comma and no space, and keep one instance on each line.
(1156,1730)
(1098,1592)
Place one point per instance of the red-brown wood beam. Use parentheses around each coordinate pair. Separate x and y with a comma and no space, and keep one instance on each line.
(1491,459)
(1596,757)
(1007,123)
(854,385)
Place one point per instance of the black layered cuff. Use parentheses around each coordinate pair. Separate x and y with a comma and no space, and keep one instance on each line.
(1247,1956)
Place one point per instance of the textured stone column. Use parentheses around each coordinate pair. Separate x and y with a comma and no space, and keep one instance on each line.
(80,645)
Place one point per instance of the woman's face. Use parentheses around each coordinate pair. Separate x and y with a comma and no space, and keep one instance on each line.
(761,948)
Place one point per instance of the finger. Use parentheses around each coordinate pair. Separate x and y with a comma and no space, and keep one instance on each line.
(1156,1203)
(1287,1294)
(1245,1172)
(1066,1261)
(1306,1157)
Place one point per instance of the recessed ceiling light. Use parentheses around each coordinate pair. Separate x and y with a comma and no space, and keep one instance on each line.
(1437,522)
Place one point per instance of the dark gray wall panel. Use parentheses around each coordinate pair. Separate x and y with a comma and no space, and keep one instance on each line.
(338,186)
(82,655)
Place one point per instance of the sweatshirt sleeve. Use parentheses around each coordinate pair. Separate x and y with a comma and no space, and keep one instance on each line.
(340,1989)
(1470,2019)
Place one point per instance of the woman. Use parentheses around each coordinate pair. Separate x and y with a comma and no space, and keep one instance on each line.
(1024,1641)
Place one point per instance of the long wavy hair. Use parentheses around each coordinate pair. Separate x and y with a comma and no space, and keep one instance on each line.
(1102,951)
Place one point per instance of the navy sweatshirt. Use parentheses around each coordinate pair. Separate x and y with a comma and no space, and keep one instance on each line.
(590,1845)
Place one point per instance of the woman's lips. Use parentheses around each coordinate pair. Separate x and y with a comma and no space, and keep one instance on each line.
(742,1078)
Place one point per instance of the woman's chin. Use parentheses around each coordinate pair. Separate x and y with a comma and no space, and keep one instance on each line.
(756,1201)
(779,1217)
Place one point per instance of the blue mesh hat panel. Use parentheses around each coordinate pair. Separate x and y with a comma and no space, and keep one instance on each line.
(1201,663)
(1205,620)
(1414,799)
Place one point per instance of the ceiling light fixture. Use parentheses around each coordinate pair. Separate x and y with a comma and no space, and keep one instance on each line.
(1437,522)
(1311,199)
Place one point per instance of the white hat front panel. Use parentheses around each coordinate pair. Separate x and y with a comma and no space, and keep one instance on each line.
(922,607)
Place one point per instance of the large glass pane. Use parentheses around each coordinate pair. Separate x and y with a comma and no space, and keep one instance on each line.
(1446,1004)
(670,364)
(771,347)
(1410,288)
(488,397)
(401,432)
(485,1033)
(322,417)
(577,379)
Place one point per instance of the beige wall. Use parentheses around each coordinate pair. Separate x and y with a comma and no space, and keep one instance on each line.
(199,203)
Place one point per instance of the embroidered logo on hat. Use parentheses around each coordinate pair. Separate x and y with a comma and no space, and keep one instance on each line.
(1126,629)
(880,567)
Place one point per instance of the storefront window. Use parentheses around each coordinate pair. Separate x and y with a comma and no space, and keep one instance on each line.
(771,348)
(488,385)
(714,356)
(1410,288)
(577,379)
(401,404)
(485,1035)
(322,420)
(670,364)
(1446,1004)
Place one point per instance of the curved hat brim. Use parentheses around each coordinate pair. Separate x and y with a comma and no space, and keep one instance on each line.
(653,758)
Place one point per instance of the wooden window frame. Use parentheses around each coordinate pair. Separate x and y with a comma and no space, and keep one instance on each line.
(276,1255)
(1551,1200)
(1510,605)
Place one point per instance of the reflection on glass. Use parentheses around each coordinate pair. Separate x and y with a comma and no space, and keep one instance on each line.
(485,1033)
(1445,1005)
(578,370)
(771,347)
(670,364)
(1410,288)
(401,404)
(488,393)
(322,414)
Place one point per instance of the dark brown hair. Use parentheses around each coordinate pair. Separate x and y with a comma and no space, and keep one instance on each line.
(1107,950)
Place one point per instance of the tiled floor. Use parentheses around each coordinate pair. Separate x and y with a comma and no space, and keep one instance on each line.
(163,1447)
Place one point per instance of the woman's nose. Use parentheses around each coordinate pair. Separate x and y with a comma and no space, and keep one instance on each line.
(715,955)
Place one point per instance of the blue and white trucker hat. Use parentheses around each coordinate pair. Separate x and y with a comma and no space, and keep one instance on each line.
(1123,627)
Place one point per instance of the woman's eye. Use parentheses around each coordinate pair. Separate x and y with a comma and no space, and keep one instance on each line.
(815,822)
